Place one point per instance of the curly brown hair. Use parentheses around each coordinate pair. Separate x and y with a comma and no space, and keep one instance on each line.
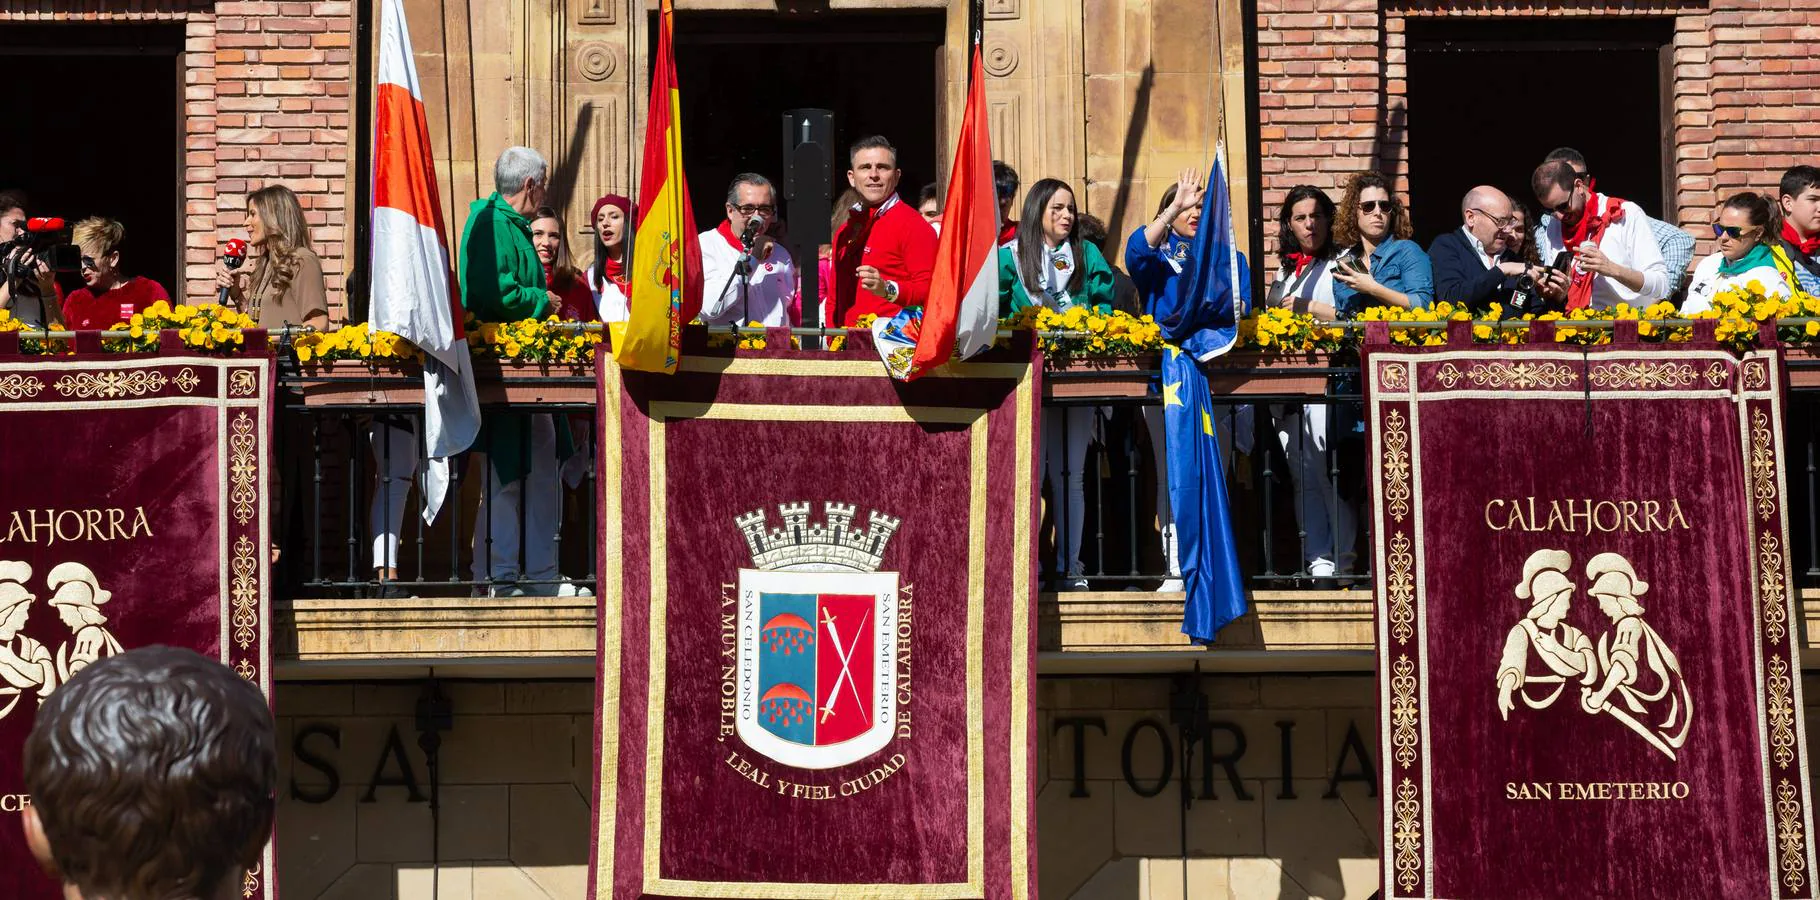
(1346,223)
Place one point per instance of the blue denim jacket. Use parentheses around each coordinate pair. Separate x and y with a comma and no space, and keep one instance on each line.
(1397,264)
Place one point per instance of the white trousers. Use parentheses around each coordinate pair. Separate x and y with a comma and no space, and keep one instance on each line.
(536,498)
(1326,521)
(1066,433)
(395,465)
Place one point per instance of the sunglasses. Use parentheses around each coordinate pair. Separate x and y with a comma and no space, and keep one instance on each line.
(1731,231)
(88,262)
(1371,206)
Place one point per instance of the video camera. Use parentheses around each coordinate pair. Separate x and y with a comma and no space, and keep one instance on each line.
(46,238)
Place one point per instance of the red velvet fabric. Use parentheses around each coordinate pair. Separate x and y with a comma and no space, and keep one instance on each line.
(197,464)
(1478,793)
(716,825)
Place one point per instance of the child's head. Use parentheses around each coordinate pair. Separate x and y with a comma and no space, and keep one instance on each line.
(152,774)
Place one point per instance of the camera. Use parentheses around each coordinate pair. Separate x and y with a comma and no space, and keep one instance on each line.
(46,238)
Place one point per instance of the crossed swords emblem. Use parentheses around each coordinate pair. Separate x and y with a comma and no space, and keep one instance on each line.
(845,654)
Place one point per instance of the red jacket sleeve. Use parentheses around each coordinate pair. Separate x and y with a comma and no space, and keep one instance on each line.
(919,242)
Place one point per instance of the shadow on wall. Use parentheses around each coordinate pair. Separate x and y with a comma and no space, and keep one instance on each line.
(1134,136)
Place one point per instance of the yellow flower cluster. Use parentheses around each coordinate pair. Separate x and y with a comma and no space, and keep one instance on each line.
(353,342)
(35,347)
(533,340)
(1085,331)
(1279,329)
(204,326)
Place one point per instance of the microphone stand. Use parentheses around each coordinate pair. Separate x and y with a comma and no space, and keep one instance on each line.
(740,270)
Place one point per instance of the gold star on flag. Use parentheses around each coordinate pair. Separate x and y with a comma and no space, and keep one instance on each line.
(1206,422)
(1172,395)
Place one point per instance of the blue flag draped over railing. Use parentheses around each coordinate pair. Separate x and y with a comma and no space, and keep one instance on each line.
(1203,321)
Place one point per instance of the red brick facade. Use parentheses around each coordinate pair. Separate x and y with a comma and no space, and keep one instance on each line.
(1333,91)
(266,98)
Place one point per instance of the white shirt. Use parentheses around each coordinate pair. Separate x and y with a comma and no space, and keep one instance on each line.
(1627,242)
(1708,283)
(1485,259)
(609,299)
(769,288)
(1314,285)
(1057,270)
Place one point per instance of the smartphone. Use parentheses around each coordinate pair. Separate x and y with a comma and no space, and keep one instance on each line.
(1563,260)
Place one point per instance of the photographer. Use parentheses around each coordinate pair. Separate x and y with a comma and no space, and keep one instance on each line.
(108,296)
(25,280)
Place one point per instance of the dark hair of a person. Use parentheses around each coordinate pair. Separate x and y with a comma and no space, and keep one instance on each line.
(1093,231)
(874,142)
(1552,174)
(1032,247)
(11,200)
(1760,210)
(562,274)
(1346,220)
(930,192)
(1168,198)
(1526,234)
(843,207)
(1567,155)
(1799,179)
(597,270)
(1286,242)
(154,774)
(1004,181)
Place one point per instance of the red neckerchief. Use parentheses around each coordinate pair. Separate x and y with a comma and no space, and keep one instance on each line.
(1591,227)
(1007,231)
(1301,260)
(726,231)
(549,276)
(1808,246)
(615,270)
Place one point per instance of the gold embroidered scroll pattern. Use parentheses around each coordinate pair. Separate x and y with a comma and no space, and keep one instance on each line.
(110,385)
(1781,713)
(1789,835)
(1395,376)
(1770,585)
(1715,374)
(1499,375)
(1404,711)
(242,383)
(1762,464)
(1396,465)
(17,387)
(243,468)
(1756,374)
(1400,583)
(1642,375)
(1408,837)
(245,592)
(187,380)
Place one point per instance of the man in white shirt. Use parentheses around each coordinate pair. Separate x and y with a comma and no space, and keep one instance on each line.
(747,277)
(1616,258)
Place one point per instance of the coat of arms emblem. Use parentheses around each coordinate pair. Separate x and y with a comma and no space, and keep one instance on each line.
(818,632)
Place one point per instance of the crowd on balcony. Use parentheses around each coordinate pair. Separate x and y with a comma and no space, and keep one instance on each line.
(1575,247)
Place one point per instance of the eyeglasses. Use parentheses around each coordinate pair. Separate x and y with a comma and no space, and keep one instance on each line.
(1371,206)
(88,262)
(1504,223)
(749,209)
(1732,231)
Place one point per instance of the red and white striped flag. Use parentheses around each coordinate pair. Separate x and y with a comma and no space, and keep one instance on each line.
(413,287)
(960,318)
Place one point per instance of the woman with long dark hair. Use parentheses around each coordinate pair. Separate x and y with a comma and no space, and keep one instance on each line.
(1047,264)
(1304,279)
(551,242)
(612,216)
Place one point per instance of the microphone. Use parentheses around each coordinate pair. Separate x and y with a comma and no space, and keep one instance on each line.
(39,225)
(754,225)
(233,253)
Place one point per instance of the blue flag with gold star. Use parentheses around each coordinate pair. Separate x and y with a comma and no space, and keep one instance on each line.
(1197,491)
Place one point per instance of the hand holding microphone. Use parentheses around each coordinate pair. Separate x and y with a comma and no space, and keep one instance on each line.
(233,254)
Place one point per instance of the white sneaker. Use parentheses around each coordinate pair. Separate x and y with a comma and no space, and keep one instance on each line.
(1074,583)
(571,589)
(1321,568)
(1171,586)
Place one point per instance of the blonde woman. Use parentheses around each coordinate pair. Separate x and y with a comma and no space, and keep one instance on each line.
(284,285)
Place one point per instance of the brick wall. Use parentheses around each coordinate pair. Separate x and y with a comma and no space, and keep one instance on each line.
(1332,91)
(265,99)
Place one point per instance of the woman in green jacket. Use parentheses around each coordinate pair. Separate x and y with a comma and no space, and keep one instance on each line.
(1048,264)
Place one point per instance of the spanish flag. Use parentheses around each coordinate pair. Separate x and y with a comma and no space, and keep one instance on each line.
(666,258)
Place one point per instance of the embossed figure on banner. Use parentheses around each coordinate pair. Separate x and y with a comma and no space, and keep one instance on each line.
(24,663)
(1542,648)
(1639,667)
(79,599)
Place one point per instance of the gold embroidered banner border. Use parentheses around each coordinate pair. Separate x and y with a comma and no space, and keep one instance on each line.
(1399,384)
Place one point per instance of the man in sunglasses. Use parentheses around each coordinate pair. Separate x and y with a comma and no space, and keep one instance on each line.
(108,296)
(1677,245)
(1473,264)
(747,276)
(1615,258)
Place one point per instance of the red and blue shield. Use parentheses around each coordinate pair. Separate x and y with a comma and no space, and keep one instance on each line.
(817,665)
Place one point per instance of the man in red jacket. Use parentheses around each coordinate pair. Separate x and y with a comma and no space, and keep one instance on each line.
(885,252)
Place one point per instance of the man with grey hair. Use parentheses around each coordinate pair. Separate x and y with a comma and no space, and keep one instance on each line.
(1473,264)
(502,280)
(748,276)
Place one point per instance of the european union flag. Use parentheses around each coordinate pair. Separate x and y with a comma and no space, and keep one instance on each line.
(1202,319)
(1202,316)
(1197,491)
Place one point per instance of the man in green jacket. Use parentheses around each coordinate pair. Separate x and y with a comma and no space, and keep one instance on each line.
(503,281)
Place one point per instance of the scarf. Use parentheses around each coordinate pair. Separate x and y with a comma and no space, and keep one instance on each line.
(1591,227)
(1808,246)
(1759,255)
(1301,260)
(615,270)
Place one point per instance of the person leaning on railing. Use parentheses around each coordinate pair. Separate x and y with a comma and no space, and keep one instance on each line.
(1743,228)
(1304,285)
(108,296)
(1378,264)
(1046,263)
(284,285)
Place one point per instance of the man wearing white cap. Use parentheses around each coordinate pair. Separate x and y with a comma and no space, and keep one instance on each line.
(24,663)
(1564,651)
(1640,669)
(78,599)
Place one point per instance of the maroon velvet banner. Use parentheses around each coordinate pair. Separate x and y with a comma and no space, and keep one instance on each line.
(817,628)
(1588,667)
(134,513)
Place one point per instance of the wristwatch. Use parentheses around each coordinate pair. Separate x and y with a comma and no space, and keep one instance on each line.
(891,292)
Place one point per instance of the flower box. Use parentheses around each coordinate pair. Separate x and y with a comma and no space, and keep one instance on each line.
(1075,376)
(363,383)
(1251,371)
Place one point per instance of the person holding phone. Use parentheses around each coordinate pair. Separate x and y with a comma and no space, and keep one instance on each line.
(1743,229)
(1378,265)
(1615,257)
(1481,262)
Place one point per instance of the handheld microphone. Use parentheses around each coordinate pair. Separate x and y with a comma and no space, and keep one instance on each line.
(39,225)
(754,225)
(233,254)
